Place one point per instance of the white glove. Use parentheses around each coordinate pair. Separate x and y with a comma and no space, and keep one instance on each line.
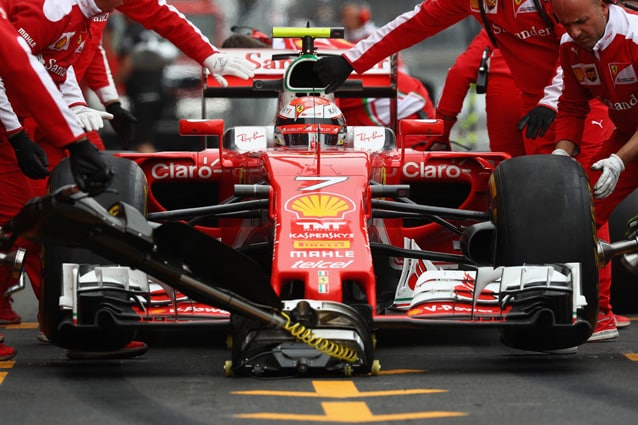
(612,167)
(90,119)
(559,151)
(222,64)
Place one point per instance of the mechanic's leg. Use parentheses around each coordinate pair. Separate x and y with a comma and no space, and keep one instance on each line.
(503,110)
(33,261)
(603,208)
(604,277)
(16,191)
(598,128)
(6,352)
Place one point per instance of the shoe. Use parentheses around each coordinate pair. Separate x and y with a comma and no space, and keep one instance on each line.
(605,328)
(43,338)
(7,315)
(621,321)
(6,352)
(132,349)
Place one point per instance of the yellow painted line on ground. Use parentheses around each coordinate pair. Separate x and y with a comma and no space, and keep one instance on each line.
(24,325)
(632,356)
(6,364)
(338,389)
(350,412)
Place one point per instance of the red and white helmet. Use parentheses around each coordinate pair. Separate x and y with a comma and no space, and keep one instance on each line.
(308,120)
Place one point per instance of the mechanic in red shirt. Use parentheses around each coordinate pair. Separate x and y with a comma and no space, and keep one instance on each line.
(502,98)
(528,38)
(83,25)
(92,69)
(58,31)
(29,83)
(599,56)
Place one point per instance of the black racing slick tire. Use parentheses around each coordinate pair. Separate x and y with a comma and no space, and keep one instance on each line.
(542,209)
(129,186)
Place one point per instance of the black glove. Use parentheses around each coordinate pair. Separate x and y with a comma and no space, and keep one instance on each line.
(537,121)
(123,123)
(90,172)
(31,158)
(332,71)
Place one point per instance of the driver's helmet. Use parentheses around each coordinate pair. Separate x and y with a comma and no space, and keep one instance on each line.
(308,120)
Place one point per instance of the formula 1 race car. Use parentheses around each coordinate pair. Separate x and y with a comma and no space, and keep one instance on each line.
(305,237)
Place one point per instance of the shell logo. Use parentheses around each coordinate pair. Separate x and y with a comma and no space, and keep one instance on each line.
(320,205)
(62,43)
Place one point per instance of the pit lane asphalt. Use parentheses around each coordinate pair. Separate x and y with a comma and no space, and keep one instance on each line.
(443,376)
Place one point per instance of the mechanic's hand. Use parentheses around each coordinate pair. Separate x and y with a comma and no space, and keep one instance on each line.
(562,152)
(537,121)
(611,167)
(90,119)
(332,71)
(222,64)
(88,168)
(439,142)
(123,123)
(32,159)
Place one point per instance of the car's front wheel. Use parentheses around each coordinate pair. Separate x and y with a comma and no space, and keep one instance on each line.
(129,186)
(542,208)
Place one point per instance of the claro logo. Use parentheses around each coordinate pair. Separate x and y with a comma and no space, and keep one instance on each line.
(424,171)
(170,170)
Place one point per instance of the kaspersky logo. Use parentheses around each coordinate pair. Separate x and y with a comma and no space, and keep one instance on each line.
(320,205)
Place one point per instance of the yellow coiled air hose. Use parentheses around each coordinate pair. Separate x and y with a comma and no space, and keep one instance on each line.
(325,346)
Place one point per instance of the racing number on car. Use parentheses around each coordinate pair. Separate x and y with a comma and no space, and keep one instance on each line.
(322,182)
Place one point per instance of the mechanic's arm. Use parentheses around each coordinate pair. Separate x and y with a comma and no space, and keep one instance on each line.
(173,26)
(425,20)
(457,82)
(89,119)
(565,148)
(98,77)
(461,75)
(539,119)
(31,158)
(612,166)
(629,151)
(27,80)
(89,170)
(573,107)
(29,83)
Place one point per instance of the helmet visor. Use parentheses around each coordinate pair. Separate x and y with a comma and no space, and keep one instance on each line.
(306,135)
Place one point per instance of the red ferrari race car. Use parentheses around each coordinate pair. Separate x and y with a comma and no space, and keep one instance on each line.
(305,237)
